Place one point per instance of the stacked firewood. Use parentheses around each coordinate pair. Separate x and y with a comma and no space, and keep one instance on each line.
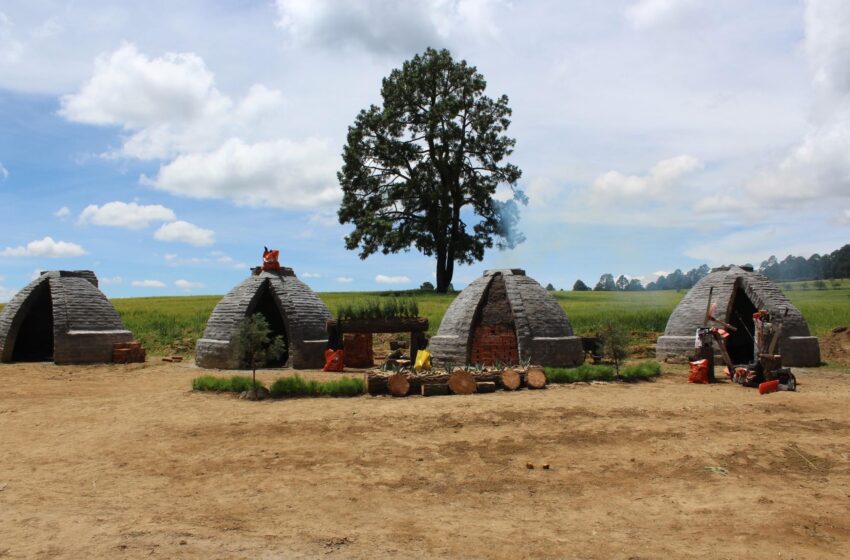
(128,352)
(457,382)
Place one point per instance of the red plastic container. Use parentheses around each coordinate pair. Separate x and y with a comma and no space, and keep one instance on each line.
(768,386)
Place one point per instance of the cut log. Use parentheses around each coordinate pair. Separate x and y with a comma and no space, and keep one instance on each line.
(535,378)
(511,380)
(398,385)
(432,389)
(462,383)
(485,387)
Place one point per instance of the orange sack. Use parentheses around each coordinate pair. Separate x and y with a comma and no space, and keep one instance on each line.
(699,372)
(333,360)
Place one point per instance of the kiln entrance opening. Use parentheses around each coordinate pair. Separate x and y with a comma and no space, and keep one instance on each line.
(34,341)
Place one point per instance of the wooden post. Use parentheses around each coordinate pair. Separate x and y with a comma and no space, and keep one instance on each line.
(431,389)
(485,387)
(511,380)
(535,378)
(462,383)
(398,385)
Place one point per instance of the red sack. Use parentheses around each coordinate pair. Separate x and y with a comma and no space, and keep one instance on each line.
(699,372)
(333,360)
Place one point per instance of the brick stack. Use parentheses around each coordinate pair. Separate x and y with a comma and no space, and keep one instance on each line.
(494,343)
(358,350)
(128,352)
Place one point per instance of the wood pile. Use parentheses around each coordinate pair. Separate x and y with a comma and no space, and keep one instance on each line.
(128,352)
(458,382)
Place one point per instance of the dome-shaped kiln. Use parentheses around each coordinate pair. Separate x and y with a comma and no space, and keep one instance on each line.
(506,316)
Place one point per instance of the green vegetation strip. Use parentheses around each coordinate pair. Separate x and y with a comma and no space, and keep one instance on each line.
(234,384)
(170,325)
(295,386)
(378,308)
(589,372)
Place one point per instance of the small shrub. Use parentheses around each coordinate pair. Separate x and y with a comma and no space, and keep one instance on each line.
(615,344)
(297,386)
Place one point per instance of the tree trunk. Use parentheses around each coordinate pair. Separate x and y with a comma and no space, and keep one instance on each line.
(511,380)
(431,389)
(462,383)
(535,378)
(485,387)
(398,385)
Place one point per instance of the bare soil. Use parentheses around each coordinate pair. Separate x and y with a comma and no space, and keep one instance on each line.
(127,462)
(835,347)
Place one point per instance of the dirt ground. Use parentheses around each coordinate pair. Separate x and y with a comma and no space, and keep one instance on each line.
(127,462)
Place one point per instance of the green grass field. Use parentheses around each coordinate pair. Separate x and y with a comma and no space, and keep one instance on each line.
(166,325)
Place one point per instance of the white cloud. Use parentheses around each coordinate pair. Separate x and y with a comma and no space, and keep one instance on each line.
(184,232)
(170,257)
(187,285)
(344,279)
(11,49)
(754,244)
(62,213)
(279,173)
(383,279)
(661,180)
(126,215)
(111,280)
(818,167)
(845,217)
(386,25)
(131,90)
(147,284)
(213,146)
(650,13)
(4,173)
(47,248)
(311,275)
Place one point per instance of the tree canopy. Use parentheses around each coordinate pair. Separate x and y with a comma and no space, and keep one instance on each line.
(422,170)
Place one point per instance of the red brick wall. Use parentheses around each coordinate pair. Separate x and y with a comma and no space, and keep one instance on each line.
(357,350)
(492,343)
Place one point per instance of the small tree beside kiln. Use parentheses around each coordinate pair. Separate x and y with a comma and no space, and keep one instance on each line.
(254,344)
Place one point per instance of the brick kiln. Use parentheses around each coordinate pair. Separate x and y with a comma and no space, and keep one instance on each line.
(62,317)
(292,309)
(738,292)
(506,317)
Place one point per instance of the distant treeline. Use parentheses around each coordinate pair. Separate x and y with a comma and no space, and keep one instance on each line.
(816,267)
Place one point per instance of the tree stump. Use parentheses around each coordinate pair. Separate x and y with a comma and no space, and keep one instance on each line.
(398,385)
(462,383)
(431,389)
(535,378)
(485,387)
(511,380)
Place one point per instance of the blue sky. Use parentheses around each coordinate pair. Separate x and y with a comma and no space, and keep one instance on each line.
(163,144)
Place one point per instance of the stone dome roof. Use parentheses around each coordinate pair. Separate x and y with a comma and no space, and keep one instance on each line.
(63,316)
(292,309)
(501,309)
(728,285)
